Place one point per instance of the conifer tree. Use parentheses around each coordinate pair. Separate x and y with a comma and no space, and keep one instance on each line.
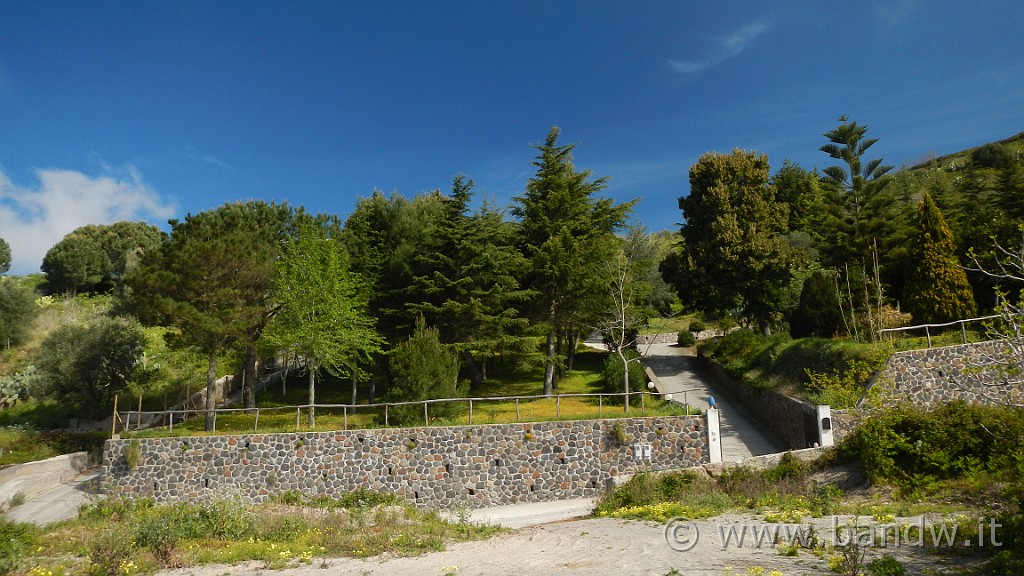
(567,233)
(937,290)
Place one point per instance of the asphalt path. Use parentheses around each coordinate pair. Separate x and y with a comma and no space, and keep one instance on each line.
(676,369)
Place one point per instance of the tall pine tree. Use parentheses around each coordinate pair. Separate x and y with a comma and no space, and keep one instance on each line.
(937,291)
(567,233)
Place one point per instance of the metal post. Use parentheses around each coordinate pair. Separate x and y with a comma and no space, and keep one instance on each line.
(929,335)
(642,403)
(386,415)
(297,418)
(517,410)
(426,420)
(558,406)
(256,424)
(963,330)
(600,406)
(470,410)
(344,418)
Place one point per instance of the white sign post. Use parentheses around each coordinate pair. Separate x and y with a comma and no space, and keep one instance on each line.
(714,437)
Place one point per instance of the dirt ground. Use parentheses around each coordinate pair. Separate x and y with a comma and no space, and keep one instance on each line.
(601,547)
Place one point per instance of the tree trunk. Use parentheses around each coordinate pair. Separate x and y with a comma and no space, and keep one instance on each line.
(355,383)
(570,338)
(476,379)
(625,379)
(549,365)
(312,397)
(249,377)
(211,396)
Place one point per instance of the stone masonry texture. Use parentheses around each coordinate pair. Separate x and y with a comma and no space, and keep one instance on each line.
(478,466)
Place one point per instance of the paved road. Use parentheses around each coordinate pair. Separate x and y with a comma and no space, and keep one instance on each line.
(59,503)
(675,368)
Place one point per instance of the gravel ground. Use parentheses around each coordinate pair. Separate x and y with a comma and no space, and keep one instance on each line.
(601,547)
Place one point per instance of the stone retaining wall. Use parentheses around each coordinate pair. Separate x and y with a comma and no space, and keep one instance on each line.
(937,375)
(480,466)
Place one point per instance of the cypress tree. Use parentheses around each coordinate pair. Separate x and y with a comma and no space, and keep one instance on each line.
(937,290)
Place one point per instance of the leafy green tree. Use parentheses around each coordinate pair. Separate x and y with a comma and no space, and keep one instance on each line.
(211,281)
(322,316)
(818,313)
(76,262)
(5,256)
(801,191)
(88,364)
(734,253)
(565,232)
(472,293)
(938,291)
(856,189)
(17,310)
(95,257)
(424,369)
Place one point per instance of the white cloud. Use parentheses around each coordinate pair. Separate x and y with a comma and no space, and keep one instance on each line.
(32,220)
(725,48)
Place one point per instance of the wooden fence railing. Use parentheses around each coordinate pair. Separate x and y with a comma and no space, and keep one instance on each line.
(168,418)
(929,327)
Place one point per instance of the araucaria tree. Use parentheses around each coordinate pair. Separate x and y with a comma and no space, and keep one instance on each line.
(937,290)
(855,189)
(566,233)
(321,317)
(734,254)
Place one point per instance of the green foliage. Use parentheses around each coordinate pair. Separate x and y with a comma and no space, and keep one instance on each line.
(697,326)
(16,542)
(19,386)
(87,365)
(17,310)
(95,257)
(818,313)
(912,448)
(423,369)
(133,454)
(841,389)
(780,362)
(5,256)
(937,291)
(211,281)
(612,378)
(686,338)
(470,290)
(734,255)
(322,315)
(886,566)
(856,190)
(567,234)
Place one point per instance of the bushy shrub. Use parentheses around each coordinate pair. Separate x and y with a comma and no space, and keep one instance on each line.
(912,448)
(697,326)
(17,310)
(15,544)
(686,338)
(612,378)
(424,369)
(818,313)
(86,365)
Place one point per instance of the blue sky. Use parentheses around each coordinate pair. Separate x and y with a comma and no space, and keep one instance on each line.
(152,110)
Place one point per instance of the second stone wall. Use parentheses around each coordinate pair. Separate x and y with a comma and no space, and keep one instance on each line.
(479,466)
